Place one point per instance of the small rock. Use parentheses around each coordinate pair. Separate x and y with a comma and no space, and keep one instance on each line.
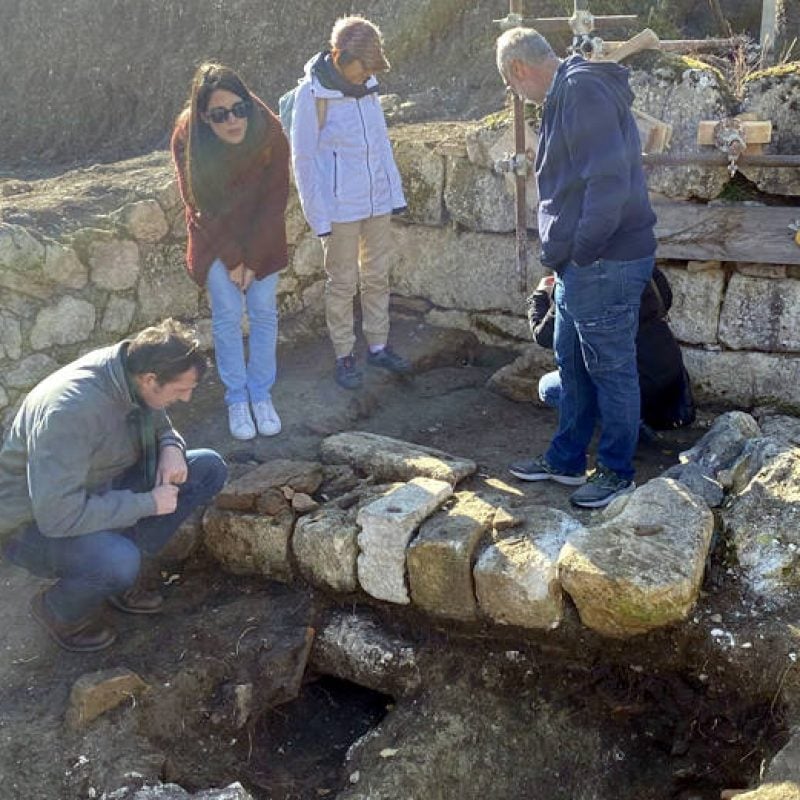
(95,693)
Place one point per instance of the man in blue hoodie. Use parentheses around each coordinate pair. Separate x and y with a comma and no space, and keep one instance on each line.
(596,231)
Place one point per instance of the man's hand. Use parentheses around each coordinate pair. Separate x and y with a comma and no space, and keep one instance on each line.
(165,498)
(172,467)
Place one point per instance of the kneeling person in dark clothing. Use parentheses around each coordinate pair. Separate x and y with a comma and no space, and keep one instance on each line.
(93,476)
(663,382)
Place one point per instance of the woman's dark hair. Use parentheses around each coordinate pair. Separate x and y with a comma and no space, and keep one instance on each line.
(167,350)
(210,162)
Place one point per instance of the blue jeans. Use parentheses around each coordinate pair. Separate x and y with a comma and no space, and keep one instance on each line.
(253,381)
(597,319)
(93,566)
(550,389)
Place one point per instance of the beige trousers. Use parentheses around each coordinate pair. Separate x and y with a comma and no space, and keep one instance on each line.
(358,254)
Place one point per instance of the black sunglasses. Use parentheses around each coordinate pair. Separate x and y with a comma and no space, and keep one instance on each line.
(219,114)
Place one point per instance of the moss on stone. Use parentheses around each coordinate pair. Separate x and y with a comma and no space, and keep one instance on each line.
(779,71)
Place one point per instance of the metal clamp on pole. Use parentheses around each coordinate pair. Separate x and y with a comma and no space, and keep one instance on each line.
(729,137)
(514,163)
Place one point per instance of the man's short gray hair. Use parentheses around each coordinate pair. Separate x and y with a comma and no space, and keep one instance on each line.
(522,44)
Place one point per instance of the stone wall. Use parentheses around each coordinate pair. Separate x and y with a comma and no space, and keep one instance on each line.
(89,256)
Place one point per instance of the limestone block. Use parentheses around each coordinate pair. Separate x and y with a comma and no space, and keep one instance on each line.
(762,270)
(774,95)
(440,557)
(492,142)
(19,249)
(325,545)
(144,220)
(71,320)
(314,297)
(250,544)
(696,303)
(459,269)
(719,449)
(390,459)
(62,266)
(161,791)
(788,790)
(503,327)
(698,481)
(477,198)
(96,693)
(681,92)
(169,197)
(745,379)
(118,315)
(296,225)
(641,568)
(355,647)
(516,577)
(165,288)
(449,318)
(781,427)
(114,264)
(519,380)
(233,792)
(10,336)
(307,259)
(28,372)
(387,526)
(423,171)
(761,314)
(764,525)
(247,493)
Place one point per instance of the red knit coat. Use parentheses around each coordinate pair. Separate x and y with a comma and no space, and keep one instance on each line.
(252,230)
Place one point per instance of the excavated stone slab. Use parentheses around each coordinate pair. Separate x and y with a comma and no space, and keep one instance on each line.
(252,492)
(356,648)
(250,544)
(764,525)
(720,449)
(745,326)
(440,557)
(519,380)
(641,568)
(516,577)
(388,459)
(387,526)
(773,791)
(325,545)
(96,693)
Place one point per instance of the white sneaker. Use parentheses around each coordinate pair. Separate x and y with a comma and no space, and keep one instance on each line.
(267,419)
(240,422)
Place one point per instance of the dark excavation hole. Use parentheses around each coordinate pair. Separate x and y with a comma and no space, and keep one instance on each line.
(299,749)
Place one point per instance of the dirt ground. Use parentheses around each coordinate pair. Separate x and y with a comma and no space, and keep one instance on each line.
(446,406)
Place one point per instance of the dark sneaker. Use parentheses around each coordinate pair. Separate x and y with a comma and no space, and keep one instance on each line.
(137,601)
(347,374)
(537,469)
(602,487)
(389,360)
(84,636)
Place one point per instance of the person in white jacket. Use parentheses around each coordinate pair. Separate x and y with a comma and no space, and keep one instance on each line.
(349,186)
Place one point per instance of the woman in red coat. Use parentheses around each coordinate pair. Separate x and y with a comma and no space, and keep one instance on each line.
(232,160)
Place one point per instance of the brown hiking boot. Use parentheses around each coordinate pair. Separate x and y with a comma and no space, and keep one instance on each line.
(137,601)
(85,636)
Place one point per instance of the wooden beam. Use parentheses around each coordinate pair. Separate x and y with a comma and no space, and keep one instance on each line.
(755,132)
(757,234)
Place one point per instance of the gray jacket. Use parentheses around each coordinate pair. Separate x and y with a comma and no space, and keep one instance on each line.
(73,435)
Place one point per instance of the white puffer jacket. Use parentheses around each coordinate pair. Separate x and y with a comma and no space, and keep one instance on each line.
(345,170)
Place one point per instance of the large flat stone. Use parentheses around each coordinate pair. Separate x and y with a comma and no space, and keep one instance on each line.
(440,557)
(387,526)
(250,544)
(641,568)
(249,493)
(388,459)
(516,576)
(696,303)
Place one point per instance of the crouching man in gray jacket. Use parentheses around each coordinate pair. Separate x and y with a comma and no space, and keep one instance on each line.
(93,475)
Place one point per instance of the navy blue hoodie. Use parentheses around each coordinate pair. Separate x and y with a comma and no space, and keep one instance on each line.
(593,199)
